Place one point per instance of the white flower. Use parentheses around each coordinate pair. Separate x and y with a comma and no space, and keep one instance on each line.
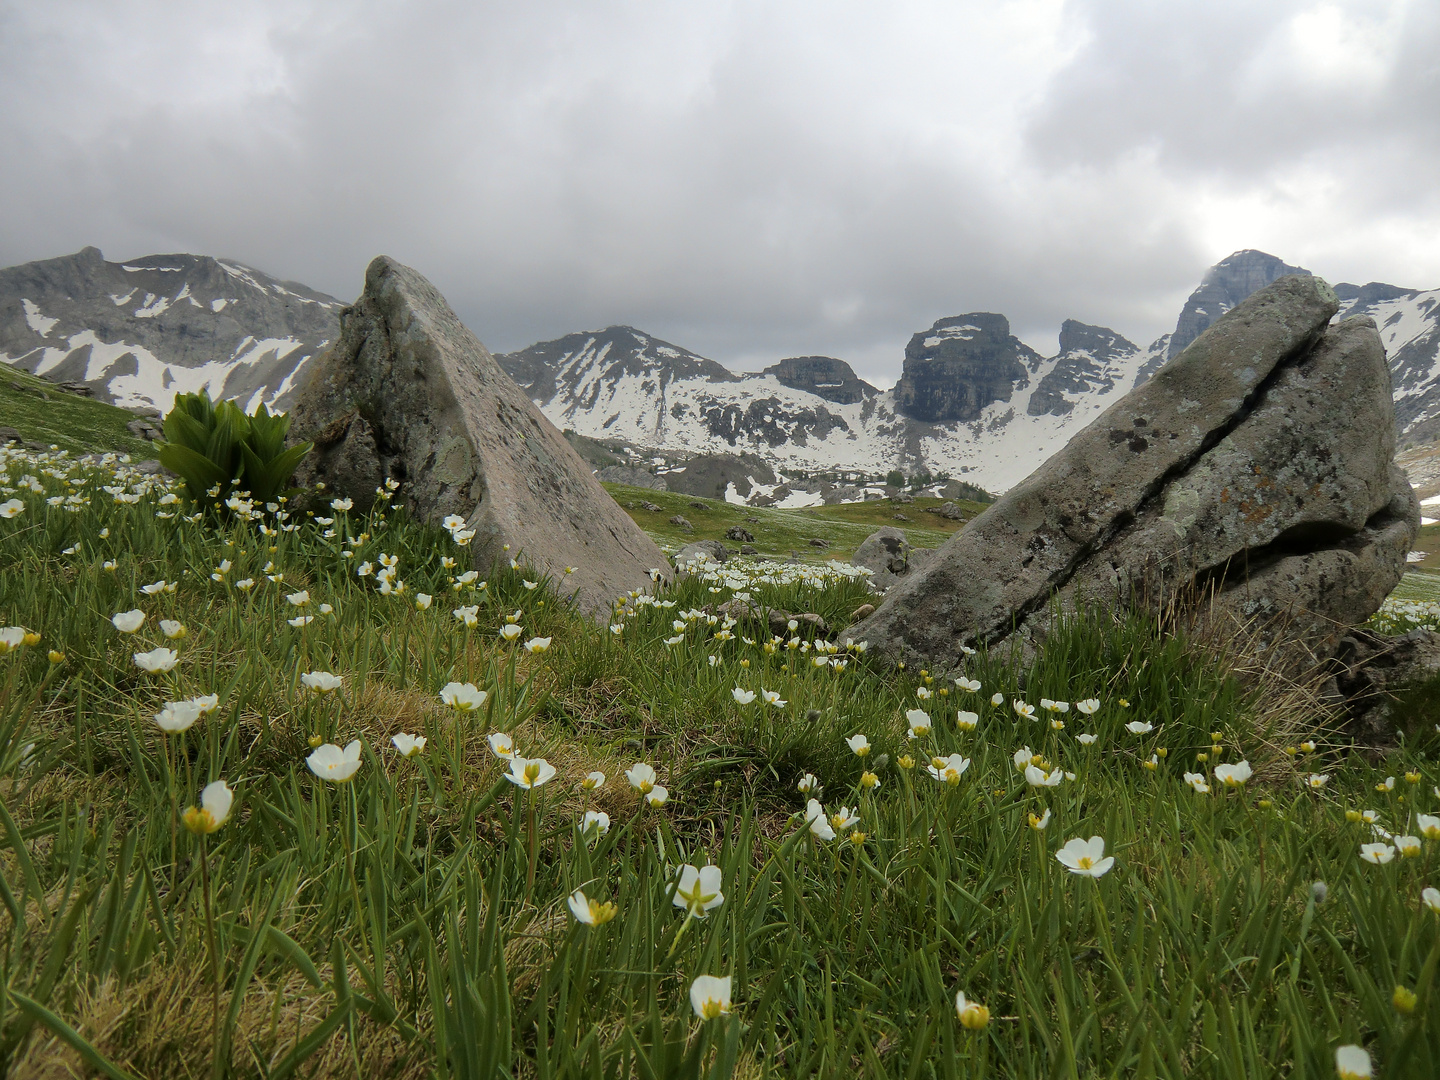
(948,770)
(1085,857)
(301,620)
(919,721)
(844,818)
(530,584)
(322,682)
(1317,780)
(698,890)
(1090,706)
(1139,727)
(808,783)
(997,699)
(773,698)
(341,504)
(1197,781)
(157,661)
(11,507)
(1408,846)
(596,820)
(710,994)
(1431,898)
(967,684)
(298,599)
(923,693)
(408,745)
(501,745)
(641,777)
(1023,709)
(510,631)
(1379,854)
(617,628)
(1429,826)
(1352,1063)
(1039,823)
(818,822)
(537,644)
(966,721)
(1233,775)
(214,810)
(590,912)
(463,697)
(657,796)
(530,773)
(1085,740)
(177,716)
(859,744)
(593,781)
(158,587)
(331,763)
(127,622)
(1023,757)
(469,615)
(1038,777)
(742,697)
(206,702)
(423,601)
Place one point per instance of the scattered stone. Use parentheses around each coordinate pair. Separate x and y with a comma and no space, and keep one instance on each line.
(697,505)
(861,612)
(681,522)
(701,551)
(651,507)
(902,497)
(749,549)
(1249,483)
(1370,668)
(901,517)
(816,542)
(736,532)
(873,496)
(152,467)
(887,554)
(407,392)
(144,429)
(948,510)
(752,519)
(8,435)
(38,447)
(79,389)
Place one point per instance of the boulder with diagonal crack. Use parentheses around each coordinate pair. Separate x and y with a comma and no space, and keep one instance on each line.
(1251,480)
(407,391)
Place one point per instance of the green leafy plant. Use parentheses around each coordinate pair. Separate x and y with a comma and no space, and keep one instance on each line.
(211,444)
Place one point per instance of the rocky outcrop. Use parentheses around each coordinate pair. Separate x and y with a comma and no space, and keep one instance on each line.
(629,474)
(133,333)
(960,365)
(1089,361)
(408,392)
(888,556)
(1251,480)
(823,376)
(710,475)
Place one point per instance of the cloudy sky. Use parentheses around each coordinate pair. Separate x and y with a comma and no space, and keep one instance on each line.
(749,180)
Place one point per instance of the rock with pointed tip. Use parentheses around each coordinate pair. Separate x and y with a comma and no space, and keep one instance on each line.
(408,392)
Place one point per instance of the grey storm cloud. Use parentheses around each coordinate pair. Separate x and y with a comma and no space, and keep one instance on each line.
(750,180)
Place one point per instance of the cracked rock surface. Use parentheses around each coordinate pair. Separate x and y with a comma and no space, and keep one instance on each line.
(1253,476)
(408,392)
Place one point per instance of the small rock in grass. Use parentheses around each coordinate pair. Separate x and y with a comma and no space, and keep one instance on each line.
(861,612)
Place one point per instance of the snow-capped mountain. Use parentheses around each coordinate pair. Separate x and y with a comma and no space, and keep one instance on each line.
(973,400)
(138,333)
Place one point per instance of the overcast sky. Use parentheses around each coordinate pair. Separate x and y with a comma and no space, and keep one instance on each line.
(749,180)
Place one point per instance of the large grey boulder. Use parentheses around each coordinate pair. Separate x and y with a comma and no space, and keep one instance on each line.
(888,556)
(408,392)
(1251,480)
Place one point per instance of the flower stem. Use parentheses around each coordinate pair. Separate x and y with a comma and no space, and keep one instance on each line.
(218,1066)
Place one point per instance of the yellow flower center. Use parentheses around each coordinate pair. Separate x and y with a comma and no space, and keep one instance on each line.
(1085,863)
(712,1008)
(532,771)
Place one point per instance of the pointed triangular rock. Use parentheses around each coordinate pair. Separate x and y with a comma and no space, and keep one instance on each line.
(408,392)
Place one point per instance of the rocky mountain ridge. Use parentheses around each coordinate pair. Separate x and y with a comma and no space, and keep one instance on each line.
(138,333)
(972,400)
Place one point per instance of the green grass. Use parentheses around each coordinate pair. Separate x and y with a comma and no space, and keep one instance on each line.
(413,922)
(781,532)
(65,420)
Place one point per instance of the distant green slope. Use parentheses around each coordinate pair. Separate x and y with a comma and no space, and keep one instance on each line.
(780,532)
(65,420)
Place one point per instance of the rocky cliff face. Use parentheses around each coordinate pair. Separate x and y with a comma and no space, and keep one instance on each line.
(960,365)
(138,333)
(1090,361)
(823,376)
